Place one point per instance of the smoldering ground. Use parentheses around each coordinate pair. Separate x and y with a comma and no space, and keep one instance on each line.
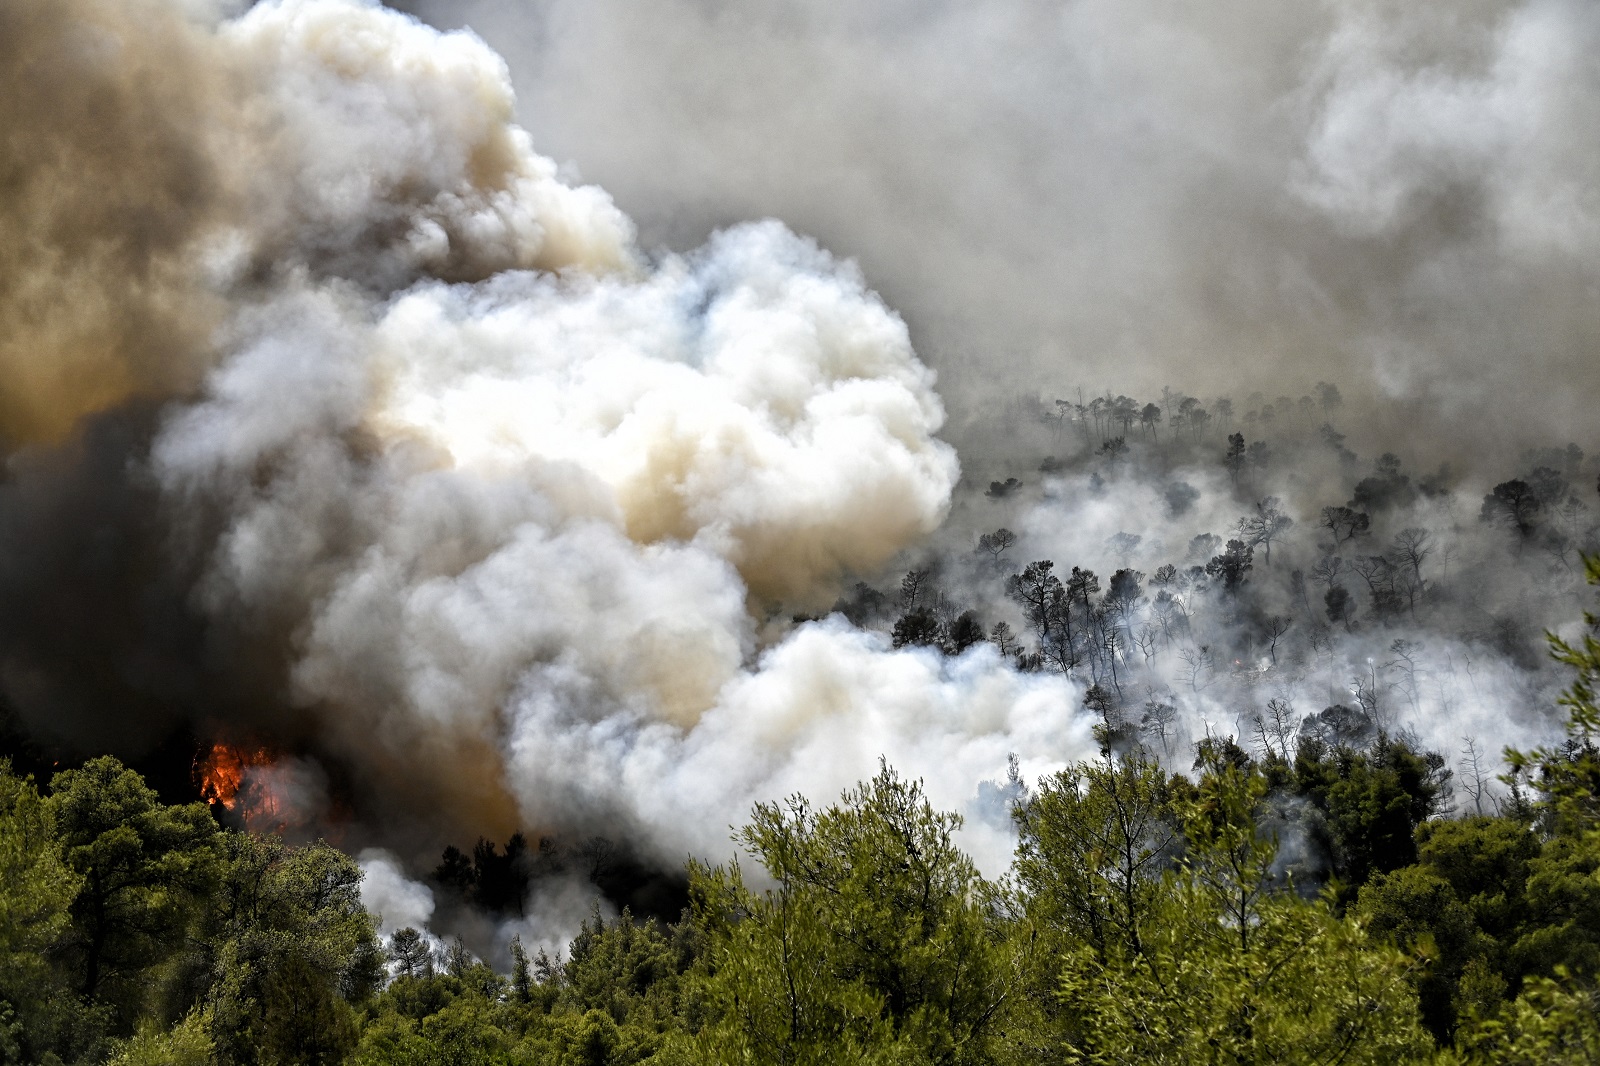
(343,420)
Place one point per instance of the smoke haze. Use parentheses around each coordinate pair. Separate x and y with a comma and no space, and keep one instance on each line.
(419,466)
(342,418)
(1105,194)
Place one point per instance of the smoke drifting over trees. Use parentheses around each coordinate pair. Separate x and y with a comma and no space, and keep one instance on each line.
(479,516)
(1250,195)
(343,422)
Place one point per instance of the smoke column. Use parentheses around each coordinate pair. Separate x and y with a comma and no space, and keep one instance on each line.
(339,418)
(350,423)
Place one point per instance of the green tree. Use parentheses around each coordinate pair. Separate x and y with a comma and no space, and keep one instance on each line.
(188,1043)
(1366,803)
(1568,777)
(630,970)
(1420,911)
(36,891)
(288,950)
(1235,972)
(1092,846)
(876,941)
(143,866)
(1554,1022)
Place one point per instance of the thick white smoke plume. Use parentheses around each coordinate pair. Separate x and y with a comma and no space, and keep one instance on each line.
(535,507)
(344,421)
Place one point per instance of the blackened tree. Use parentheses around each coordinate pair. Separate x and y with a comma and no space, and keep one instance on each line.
(1412,546)
(1150,419)
(1180,496)
(411,954)
(1000,489)
(1234,457)
(1123,545)
(965,631)
(918,627)
(1259,455)
(1043,600)
(1003,639)
(1512,504)
(996,543)
(1267,525)
(1548,486)
(1341,608)
(1232,565)
(1387,487)
(1328,396)
(1345,523)
(914,589)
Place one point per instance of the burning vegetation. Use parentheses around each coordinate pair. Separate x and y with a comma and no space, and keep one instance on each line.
(325,399)
(231,777)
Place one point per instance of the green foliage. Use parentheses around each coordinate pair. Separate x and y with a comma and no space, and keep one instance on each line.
(1304,987)
(188,1043)
(875,943)
(1568,777)
(143,867)
(1552,1023)
(592,1038)
(1149,919)
(1509,903)
(1421,911)
(1230,970)
(1093,844)
(1230,860)
(36,892)
(141,863)
(36,886)
(463,1032)
(1365,804)
(289,947)
(629,971)
(617,1000)
(1380,798)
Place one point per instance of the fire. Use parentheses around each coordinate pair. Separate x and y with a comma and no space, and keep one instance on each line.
(261,789)
(224,780)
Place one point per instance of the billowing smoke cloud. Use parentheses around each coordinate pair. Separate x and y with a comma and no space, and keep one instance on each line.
(461,493)
(583,484)
(344,421)
(109,175)
(1130,195)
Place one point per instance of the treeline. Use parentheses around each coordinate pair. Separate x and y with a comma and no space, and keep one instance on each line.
(1297,576)
(1315,902)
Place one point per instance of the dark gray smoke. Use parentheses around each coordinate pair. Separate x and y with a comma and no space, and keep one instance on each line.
(1256,194)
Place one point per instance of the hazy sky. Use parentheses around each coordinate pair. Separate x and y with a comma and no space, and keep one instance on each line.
(1124,193)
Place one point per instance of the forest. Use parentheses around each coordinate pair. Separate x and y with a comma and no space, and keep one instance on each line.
(1113,584)
(1147,916)
(1222,570)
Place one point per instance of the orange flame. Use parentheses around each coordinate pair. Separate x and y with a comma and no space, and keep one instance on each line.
(221,777)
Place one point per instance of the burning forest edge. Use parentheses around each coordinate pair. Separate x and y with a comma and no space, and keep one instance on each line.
(372,484)
(1134,893)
